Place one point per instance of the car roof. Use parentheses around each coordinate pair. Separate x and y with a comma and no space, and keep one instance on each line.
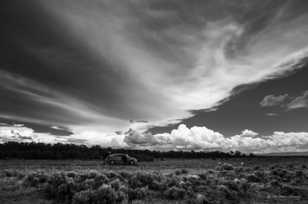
(118,154)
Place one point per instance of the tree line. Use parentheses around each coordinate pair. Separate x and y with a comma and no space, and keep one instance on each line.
(15,150)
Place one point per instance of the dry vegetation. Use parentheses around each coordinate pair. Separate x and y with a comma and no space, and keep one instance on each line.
(221,182)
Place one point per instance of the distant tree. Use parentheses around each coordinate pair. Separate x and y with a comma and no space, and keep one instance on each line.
(14,150)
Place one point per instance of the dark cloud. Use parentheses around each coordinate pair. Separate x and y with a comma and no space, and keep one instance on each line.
(87,68)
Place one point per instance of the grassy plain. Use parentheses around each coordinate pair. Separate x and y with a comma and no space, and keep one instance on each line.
(242,180)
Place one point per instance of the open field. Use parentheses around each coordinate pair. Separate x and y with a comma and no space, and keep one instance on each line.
(238,180)
(194,165)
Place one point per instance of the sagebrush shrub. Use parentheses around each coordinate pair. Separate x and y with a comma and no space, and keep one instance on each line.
(104,195)
(112,175)
(227,184)
(82,197)
(171,181)
(31,180)
(288,190)
(125,174)
(257,168)
(71,174)
(101,179)
(228,195)
(92,174)
(181,171)
(13,173)
(175,193)
(199,199)
(157,186)
(253,178)
(35,179)
(137,193)
(140,179)
(115,184)
(89,183)
(64,192)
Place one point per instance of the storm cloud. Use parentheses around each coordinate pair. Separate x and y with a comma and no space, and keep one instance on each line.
(93,66)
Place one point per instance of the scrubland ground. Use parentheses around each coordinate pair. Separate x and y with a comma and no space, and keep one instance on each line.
(267,180)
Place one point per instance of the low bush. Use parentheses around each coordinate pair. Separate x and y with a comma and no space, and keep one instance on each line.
(175,193)
(137,193)
(105,195)
(181,171)
(253,178)
(82,197)
(35,179)
(226,184)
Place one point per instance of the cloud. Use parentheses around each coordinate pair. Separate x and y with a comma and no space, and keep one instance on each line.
(20,133)
(182,138)
(106,62)
(134,138)
(57,128)
(299,102)
(249,133)
(203,138)
(271,114)
(97,136)
(285,101)
(58,108)
(178,65)
(272,100)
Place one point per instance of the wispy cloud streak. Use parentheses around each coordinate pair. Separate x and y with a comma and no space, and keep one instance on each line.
(153,60)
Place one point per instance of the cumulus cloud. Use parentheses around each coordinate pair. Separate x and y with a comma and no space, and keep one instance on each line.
(181,138)
(249,133)
(203,138)
(272,100)
(20,133)
(92,136)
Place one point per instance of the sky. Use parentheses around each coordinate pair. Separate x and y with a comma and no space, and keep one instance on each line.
(165,75)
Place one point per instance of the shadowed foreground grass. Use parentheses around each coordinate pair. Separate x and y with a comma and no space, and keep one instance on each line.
(175,181)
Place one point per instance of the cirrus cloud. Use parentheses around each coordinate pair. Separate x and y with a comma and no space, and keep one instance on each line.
(98,64)
(187,62)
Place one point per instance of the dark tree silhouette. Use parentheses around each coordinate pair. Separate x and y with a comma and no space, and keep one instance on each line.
(14,150)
